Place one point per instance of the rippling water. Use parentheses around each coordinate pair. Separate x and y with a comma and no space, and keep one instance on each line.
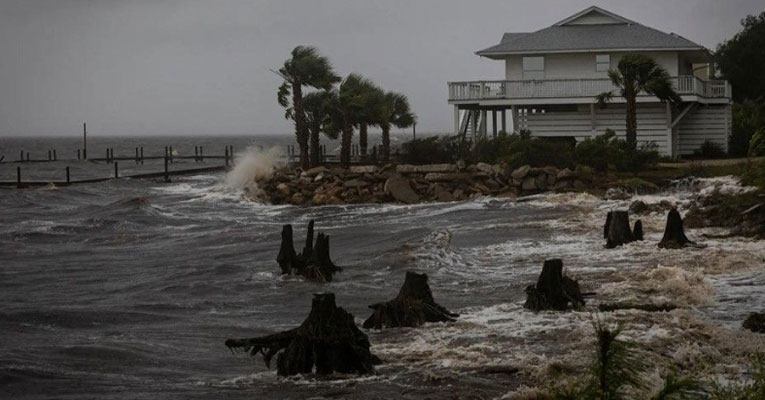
(127,289)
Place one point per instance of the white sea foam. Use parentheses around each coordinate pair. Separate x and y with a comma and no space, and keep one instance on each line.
(251,166)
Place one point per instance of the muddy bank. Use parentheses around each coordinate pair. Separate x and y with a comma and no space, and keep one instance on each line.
(411,184)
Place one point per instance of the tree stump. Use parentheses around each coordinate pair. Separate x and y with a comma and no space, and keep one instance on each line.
(413,306)
(674,234)
(327,341)
(617,230)
(553,290)
(313,263)
(637,231)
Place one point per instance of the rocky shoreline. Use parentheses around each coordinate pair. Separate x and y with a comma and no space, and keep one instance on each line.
(410,184)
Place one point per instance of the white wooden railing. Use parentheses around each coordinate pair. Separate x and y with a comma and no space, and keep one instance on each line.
(551,88)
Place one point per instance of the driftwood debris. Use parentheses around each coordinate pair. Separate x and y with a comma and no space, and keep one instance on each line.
(553,290)
(617,230)
(674,234)
(313,263)
(413,306)
(327,341)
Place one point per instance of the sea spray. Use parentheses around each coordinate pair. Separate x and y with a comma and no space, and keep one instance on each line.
(252,166)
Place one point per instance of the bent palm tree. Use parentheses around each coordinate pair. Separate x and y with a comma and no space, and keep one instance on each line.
(394,111)
(349,106)
(306,67)
(315,108)
(639,73)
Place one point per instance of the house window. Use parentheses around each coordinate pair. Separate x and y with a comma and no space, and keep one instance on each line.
(533,68)
(602,62)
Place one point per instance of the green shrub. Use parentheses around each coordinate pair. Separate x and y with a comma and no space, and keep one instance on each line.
(748,118)
(431,150)
(492,150)
(709,149)
(607,151)
(757,144)
(538,152)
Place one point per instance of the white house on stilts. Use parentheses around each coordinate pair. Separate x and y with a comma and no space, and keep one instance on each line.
(553,75)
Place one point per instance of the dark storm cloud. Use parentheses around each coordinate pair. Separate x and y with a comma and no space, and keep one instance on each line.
(202,67)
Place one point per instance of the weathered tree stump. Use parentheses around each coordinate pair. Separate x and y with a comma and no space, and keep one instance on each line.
(327,341)
(637,230)
(554,291)
(755,322)
(413,306)
(617,230)
(313,263)
(674,234)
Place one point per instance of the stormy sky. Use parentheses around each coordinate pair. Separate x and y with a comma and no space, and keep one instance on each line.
(202,66)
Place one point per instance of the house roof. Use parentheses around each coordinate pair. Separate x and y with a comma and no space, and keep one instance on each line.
(591,29)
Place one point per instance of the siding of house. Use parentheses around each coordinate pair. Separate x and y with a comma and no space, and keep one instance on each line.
(651,120)
(704,122)
(582,65)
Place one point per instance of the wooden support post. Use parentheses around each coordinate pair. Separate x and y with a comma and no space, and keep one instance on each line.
(116,170)
(494,123)
(67,175)
(27,156)
(226,156)
(504,120)
(167,176)
(78,154)
(55,157)
(50,156)
(18,176)
(196,153)
(456,119)
(593,127)
(141,155)
(107,155)
(201,154)
(85,141)
(136,155)
(165,151)
(171,153)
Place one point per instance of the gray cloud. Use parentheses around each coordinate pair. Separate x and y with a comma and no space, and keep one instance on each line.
(202,67)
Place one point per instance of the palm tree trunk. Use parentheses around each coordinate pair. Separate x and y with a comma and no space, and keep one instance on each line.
(385,142)
(345,145)
(363,139)
(631,119)
(301,128)
(315,148)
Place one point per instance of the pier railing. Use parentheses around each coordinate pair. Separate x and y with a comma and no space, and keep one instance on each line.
(564,88)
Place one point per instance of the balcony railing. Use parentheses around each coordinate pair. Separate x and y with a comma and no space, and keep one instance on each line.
(552,88)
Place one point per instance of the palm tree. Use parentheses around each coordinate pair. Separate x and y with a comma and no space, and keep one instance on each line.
(306,67)
(639,73)
(394,111)
(349,106)
(315,108)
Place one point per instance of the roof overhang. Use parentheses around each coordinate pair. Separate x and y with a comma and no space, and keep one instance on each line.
(502,54)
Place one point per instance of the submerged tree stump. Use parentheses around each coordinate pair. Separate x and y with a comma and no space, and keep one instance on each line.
(327,341)
(637,231)
(553,290)
(413,306)
(674,234)
(313,263)
(617,230)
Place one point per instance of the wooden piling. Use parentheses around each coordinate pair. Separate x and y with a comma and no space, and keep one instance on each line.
(27,156)
(201,154)
(116,170)
(107,155)
(226,156)
(85,141)
(196,153)
(141,155)
(136,155)
(78,154)
(67,175)
(55,157)
(171,153)
(167,176)
(50,156)
(18,176)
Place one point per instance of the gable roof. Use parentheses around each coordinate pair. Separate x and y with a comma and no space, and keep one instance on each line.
(607,31)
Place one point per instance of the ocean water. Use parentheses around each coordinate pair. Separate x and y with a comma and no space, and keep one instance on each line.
(128,289)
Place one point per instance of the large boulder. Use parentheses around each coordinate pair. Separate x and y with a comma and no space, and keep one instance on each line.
(315,171)
(521,172)
(362,169)
(401,189)
(447,177)
(424,169)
